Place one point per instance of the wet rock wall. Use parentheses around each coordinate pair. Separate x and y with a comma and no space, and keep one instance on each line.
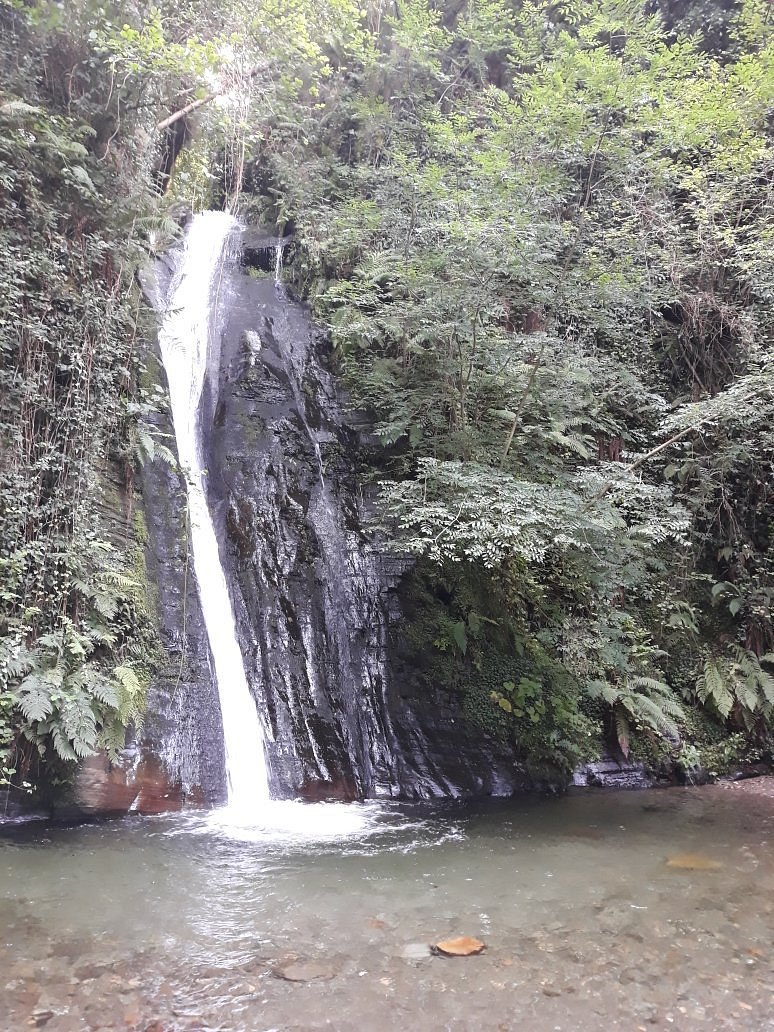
(315,592)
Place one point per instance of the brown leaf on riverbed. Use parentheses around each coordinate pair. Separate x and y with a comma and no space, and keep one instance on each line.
(464,946)
(693,862)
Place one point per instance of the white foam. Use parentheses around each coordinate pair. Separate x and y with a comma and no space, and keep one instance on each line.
(297,821)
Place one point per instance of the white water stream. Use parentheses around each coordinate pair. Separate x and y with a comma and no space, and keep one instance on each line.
(184,339)
(278,261)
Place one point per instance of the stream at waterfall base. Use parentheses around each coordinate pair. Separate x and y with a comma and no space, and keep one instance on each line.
(322,919)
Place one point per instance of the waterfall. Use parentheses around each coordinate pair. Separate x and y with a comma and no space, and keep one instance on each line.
(278,261)
(312,592)
(184,340)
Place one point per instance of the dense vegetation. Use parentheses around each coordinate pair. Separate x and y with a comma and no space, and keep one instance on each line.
(538,233)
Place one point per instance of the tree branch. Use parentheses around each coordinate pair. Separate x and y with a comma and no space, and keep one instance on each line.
(522,402)
(165,123)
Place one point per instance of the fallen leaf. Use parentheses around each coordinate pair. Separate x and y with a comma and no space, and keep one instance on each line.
(464,946)
(693,862)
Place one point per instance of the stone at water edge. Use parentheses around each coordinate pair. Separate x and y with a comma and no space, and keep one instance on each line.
(693,862)
(464,946)
(303,971)
(40,1018)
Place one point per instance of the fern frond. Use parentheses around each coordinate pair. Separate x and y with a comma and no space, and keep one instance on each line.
(746,692)
(622,729)
(651,713)
(36,692)
(16,108)
(603,690)
(131,696)
(113,737)
(62,746)
(34,696)
(711,687)
(105,604)
(650,684)
(90,681)
(118,580)
(99,634)
(766,685)
(19,661)
(79,725)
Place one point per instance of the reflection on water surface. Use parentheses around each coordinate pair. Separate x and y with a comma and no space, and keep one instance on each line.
(321,918)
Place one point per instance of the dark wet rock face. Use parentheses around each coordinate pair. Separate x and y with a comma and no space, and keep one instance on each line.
(182,724)
(314,594)
(137,782)
(608,772)
(311,599)
(178,759)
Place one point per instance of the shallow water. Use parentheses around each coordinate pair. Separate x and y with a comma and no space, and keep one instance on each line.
(190,922)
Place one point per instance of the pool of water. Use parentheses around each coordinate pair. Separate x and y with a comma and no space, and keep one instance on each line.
(321,918)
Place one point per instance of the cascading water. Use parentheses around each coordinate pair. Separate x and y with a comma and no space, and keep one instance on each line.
(278,260)
(296,596)
(185,338)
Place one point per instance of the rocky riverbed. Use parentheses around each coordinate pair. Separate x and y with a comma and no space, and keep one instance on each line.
(167,924)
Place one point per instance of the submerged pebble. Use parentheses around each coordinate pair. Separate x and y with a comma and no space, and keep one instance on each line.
(303,971)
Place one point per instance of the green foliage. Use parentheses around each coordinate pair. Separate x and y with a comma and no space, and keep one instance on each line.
(484,651)
(533,702)
(539,236)
(642,700)
(85,91)
(539,239)
(742,686)
(76,635)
